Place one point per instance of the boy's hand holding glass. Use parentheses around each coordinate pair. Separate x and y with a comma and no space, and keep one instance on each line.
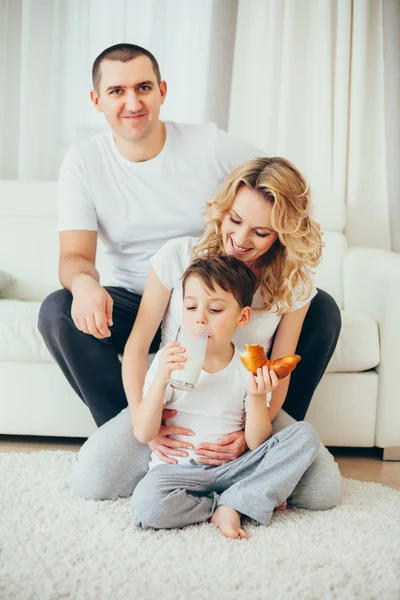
(263,383)
(170,359)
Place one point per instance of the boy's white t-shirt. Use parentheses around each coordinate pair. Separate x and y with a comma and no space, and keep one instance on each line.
(171,261)
(137,206)
(215,408)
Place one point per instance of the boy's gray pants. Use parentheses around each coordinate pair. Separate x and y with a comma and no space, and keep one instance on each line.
(254,484)
(111,463)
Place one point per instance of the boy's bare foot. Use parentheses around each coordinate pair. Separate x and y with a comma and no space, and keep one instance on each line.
(228,521)
(281,506)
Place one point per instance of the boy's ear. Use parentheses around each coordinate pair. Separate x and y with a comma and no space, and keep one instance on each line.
(244,317)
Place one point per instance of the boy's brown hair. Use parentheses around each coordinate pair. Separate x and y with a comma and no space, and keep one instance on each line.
(226,272)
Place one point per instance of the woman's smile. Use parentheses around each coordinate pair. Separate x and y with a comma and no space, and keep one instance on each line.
(239,250)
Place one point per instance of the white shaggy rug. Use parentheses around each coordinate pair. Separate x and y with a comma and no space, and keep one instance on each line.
(54,545)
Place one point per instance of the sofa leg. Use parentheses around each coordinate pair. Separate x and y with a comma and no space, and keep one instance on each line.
(391,453)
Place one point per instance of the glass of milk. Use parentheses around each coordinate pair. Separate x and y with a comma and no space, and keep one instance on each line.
(194,339)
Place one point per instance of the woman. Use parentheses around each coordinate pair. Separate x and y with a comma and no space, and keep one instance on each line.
(261,215)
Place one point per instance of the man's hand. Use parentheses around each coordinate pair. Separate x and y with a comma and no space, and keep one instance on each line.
(229,448)
(163,446)
(92,306)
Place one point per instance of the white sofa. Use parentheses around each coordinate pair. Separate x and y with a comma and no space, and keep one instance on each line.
(356,404)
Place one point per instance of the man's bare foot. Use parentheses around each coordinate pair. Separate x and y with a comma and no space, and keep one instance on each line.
(228,521)
(282,506)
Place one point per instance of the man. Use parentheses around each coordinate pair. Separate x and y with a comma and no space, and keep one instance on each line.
(138,186)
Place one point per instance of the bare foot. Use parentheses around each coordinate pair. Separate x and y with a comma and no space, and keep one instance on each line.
(281,506)
(228,521)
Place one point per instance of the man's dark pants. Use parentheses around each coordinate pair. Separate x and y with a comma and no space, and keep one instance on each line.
(93,368)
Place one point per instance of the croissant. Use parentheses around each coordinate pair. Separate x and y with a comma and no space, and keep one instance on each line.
(284,366)
(255,358)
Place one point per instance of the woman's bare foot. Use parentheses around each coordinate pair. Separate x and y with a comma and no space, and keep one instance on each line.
(282,506)
(228,521)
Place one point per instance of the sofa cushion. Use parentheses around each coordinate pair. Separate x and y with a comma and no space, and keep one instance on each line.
(19,335)
(358,345)
(357,349)
(5,280)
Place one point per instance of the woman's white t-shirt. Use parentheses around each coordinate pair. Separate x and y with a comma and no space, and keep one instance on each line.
(171,261)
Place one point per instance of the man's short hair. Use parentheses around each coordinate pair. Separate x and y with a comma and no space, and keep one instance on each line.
(123,53)
(226,272)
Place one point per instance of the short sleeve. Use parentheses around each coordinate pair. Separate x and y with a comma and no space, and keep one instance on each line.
(230,152)
(296,303)
(150,376)
(172,259)
(76,208)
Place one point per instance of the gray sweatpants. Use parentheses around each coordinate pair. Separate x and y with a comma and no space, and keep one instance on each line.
(111,463)
(254,484)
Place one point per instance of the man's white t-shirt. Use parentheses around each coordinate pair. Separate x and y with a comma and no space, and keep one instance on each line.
(137,206)
(170,263)
(215,408)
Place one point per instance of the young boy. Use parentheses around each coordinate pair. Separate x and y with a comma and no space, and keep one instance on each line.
(226,395)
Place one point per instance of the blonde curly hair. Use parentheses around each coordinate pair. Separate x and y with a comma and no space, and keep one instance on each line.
(287,265)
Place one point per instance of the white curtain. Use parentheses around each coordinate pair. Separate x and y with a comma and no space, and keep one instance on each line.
(308,84)
(316,81)
(47,48)
(391,61)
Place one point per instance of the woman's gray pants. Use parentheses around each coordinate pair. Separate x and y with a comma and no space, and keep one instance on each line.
(111,463)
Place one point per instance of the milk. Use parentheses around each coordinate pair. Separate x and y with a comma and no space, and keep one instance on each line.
(193,338)
(187,377)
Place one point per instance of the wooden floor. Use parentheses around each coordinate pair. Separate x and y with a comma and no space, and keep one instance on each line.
(365,464)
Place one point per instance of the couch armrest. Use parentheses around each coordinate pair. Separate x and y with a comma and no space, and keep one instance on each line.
(371,286)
